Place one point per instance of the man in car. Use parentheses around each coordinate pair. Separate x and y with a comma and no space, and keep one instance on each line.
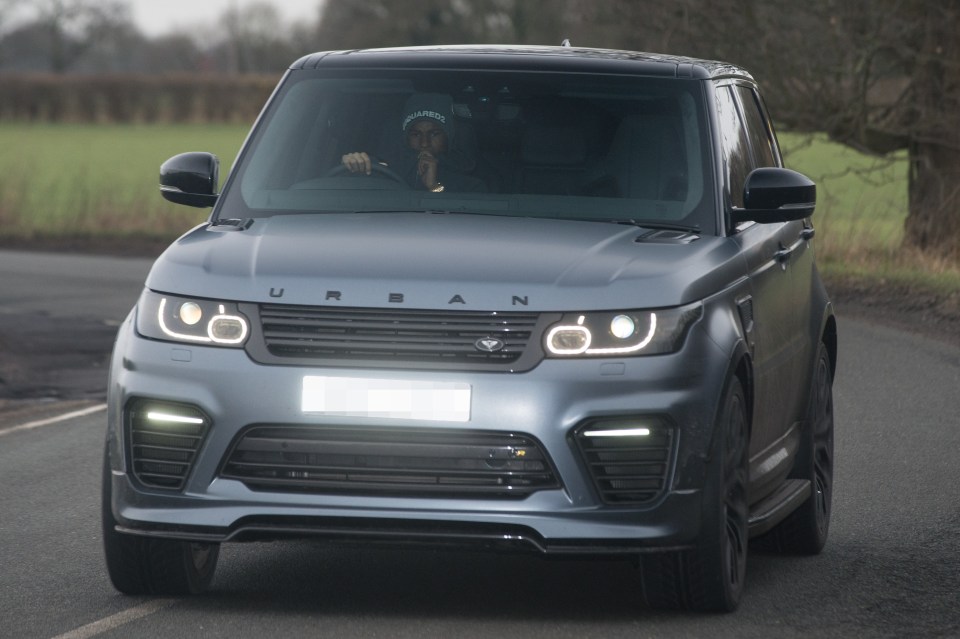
(429,159)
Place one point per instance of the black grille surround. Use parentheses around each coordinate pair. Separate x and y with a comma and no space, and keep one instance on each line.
(407,462)
(397,338)
(164,439)
(627,469)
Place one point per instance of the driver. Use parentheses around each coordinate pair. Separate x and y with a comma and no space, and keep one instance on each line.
(426,160)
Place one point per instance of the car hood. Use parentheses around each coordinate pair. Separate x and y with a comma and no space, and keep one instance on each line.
(436,260)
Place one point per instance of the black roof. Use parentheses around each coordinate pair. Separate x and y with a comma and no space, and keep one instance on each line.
(534,58)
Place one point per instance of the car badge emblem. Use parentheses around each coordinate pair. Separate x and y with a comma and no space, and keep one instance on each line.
(489,344)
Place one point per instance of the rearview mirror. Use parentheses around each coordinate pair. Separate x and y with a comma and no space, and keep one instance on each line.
(773,194)
(191,179)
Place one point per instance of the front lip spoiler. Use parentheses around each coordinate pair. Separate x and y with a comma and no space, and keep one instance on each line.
(405,533)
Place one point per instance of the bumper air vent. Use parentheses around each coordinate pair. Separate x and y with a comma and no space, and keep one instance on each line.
(407,462)
(164,440)
(628,459)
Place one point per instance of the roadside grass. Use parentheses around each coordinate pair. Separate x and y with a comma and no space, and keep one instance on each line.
(861,200)
(860,216)
(89,181)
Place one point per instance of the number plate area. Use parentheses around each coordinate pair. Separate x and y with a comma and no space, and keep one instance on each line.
(386,398)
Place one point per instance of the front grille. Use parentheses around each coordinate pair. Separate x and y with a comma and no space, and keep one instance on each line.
(628,462)
(398,337)
(164,440)
(408,462)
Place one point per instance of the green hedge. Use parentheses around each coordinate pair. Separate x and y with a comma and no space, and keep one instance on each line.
(120,99)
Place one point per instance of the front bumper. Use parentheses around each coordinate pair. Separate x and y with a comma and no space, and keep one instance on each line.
(547,404)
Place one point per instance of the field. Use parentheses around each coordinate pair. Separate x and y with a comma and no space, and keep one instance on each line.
(861,200)
(85,181)
(59,180)
(860,216)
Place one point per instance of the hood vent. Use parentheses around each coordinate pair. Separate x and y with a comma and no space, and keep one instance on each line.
(667,236)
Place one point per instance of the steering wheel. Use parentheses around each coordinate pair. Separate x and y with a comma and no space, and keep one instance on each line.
(375,168)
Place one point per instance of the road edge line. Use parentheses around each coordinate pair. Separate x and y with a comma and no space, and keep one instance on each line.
(53,420)
(116,620)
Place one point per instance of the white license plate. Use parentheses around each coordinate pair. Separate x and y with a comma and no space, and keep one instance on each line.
(386,398)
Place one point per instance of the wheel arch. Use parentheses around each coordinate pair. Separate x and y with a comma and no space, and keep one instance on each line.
(743,369)
(828,335)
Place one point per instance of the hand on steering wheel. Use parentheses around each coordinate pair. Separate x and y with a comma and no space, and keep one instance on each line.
(362,164)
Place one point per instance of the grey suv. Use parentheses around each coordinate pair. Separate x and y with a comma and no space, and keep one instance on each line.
(552,298)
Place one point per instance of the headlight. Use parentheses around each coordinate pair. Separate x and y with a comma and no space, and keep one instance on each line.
(195,321)
(621,333)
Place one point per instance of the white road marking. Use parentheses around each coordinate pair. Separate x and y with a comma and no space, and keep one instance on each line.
(125,616)
(115,621)
(53,420)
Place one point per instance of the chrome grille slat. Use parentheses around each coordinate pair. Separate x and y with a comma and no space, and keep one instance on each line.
(359,343)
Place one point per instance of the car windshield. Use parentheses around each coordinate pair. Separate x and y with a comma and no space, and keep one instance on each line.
(516,143)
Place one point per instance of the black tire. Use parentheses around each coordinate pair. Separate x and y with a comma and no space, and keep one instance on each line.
(146,566)
(804,531)
(710,578)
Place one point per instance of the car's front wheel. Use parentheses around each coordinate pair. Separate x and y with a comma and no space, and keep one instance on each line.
(710,577)
(146,566)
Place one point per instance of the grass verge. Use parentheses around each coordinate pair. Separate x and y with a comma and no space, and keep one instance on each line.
(98,183)
(860,216)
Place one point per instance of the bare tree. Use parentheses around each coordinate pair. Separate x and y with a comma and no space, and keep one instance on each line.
(67,29)
(380,23)
(6,6)
(880,76)
(253,38)
(926,115)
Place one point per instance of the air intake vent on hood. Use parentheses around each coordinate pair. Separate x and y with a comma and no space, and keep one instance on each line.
(667,236)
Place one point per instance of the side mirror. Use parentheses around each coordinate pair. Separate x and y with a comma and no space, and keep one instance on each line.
(772,194)
(191,179)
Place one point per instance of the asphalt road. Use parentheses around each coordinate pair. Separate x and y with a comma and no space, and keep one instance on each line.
(59,314)
(891,567)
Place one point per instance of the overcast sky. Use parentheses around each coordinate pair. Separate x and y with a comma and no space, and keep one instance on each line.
(160,17)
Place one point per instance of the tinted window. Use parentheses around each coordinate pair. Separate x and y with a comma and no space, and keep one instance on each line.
(736,149)
(758,130)
(520,143)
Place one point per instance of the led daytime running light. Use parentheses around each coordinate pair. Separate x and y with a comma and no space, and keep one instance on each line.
(203,339)
(226,318)
(172,333)
(588,339)
(618,432)
(629,349)
(156,416)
